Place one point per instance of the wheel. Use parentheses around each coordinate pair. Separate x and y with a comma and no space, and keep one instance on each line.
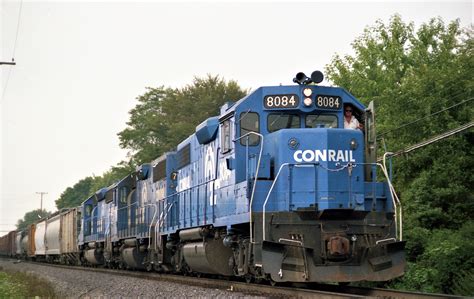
(149,267)
(272,282)
(344,283)
(248,278)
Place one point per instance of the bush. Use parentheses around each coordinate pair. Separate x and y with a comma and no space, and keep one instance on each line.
(444,264)
(22,285)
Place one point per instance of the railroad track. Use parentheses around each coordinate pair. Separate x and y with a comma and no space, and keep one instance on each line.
(296,290)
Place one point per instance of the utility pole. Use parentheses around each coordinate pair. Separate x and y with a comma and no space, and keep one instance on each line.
(9,63)
(41,193)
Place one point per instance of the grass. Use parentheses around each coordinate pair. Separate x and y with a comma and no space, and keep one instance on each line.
(24,285)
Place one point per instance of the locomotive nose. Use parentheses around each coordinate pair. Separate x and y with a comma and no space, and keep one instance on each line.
(315,169)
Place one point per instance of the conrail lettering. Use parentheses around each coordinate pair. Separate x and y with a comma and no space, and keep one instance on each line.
(323,156)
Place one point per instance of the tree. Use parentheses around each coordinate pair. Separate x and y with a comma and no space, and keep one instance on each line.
(422,85)
(164,116)
(31,217)
(113,175)
(74,196)
(410,76)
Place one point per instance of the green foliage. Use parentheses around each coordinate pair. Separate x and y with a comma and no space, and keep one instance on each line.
(10,288)
(422,85)
(24,285)
(114,174)
(31,217)
(445,265)
(75,195)
(464,283)
(164,117)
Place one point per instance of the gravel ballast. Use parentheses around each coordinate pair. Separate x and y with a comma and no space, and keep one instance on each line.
(73,283)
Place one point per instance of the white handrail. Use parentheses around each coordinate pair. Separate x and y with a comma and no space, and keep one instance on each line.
(396,201)
(151,223)
(255,180)
(159,222)
(395,198)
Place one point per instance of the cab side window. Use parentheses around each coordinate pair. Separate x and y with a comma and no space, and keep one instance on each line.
(226,142)
(88,210)
(249,122)
(123,195)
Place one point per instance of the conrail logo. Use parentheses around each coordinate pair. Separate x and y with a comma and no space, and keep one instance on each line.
(323,156)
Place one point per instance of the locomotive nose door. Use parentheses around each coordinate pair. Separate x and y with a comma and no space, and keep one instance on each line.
(302,189)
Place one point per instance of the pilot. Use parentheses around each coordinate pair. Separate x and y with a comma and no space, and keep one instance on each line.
(350,122)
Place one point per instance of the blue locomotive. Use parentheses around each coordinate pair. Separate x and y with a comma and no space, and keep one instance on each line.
(272,188)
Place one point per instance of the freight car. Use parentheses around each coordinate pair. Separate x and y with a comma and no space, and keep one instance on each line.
(8,244)
(273,188)
(52,239)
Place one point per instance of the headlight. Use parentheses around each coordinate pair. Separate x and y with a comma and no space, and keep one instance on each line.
(354,144)
(307,92)
(307,102)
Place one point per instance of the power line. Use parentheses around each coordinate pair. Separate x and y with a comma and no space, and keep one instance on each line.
(432,140)
(14,50)
(17,29)
(419,119)
(447,85)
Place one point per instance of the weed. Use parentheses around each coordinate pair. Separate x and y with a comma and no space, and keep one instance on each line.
(22,284)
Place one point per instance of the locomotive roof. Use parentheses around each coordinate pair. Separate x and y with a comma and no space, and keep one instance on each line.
(260,92)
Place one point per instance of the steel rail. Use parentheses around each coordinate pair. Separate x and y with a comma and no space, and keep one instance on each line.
(299,290)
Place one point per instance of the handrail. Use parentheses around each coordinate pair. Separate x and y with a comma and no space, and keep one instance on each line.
(397,205)
(163,215)
(278,175)
(151,223)
(128,206)
(396,201)
(92,221)
(107,228)
(395,198)
(256,177)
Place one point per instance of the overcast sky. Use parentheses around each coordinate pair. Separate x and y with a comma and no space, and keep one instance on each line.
(80,66)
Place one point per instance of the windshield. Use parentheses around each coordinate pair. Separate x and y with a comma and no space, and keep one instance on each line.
(280,121)
(321,121)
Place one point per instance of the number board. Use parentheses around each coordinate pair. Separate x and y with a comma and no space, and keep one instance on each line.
(328,102)
(281,101)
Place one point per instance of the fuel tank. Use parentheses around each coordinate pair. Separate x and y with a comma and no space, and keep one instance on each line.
(94,257)
(209,256)
(133,257)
